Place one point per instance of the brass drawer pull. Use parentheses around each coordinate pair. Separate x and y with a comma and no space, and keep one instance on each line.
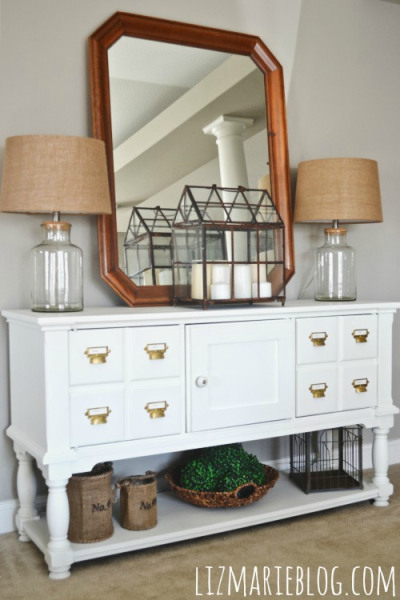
(156,351)
(360,385)
(318,338)
(97,354)
(318,389)
(360,335)
(98,416)
(156,410)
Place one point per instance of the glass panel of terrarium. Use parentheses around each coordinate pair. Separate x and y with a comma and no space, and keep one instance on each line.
(261,241)
(214,212)
(266,211)
(161,252)
(187,244)
(179,246)
(134,222)
(277,236)
(131,262)
(139,264)
(182,278)
(237,206)
(139,223)
(215,245)
(211,205)
(162,221)
(185,208)
(194,243)
(241,245)
(241,213)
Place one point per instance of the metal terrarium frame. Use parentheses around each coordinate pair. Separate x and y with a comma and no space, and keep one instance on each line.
(216,226)
(148,234)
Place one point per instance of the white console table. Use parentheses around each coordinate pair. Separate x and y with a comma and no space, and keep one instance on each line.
(231,374)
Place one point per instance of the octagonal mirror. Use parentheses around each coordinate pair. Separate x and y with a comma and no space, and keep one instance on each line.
(157,87)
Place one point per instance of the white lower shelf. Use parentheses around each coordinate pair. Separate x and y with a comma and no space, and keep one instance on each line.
(179,521)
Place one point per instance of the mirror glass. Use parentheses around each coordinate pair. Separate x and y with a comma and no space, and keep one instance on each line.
(158,88)
(163,96)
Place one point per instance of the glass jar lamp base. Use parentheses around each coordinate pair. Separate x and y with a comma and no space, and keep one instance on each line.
(335,273)
(57,278)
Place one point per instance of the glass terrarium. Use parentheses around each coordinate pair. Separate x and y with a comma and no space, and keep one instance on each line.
(227,247)
(147,246)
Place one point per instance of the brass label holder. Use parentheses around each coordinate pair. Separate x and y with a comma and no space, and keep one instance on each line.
(97,354)
(156,351)
(318,390)
(156,410)
(360,385)
(318,338)
(98,416)
(360,335)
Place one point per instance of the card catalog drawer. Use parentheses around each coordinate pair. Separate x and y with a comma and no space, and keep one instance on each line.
(96,356)
(316,340)
(359,385)
(155,411)
(316,390)
(358,337)
(96,416)
(154,352)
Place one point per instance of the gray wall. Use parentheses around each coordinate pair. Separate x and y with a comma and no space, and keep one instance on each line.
(340,59)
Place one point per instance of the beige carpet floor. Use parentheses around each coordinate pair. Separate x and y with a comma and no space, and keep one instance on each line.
(327,550)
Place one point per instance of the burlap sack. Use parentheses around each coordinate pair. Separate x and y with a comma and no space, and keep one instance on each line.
(138,501)
(90,505)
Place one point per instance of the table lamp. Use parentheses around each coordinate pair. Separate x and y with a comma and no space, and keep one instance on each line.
(53,174)
(337,191)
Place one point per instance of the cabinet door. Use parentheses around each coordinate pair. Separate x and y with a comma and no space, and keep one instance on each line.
(240,373)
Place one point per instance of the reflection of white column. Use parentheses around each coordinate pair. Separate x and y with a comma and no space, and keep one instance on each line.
(232,162)
(232,166)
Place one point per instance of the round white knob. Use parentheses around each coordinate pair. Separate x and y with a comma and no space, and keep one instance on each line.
(201,381)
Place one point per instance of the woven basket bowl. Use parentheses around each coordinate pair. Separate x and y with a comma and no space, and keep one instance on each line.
(244,494)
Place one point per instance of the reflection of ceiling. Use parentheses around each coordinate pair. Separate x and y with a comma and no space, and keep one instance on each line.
(146,76)
(177,95)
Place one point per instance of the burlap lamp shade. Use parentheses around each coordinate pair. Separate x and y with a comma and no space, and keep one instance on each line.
(55,174)
(338,189)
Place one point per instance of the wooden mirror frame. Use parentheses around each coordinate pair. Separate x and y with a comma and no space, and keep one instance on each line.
(149,28)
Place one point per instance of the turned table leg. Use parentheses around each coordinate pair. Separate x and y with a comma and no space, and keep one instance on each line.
(26,489)
(380,460)
(59,555)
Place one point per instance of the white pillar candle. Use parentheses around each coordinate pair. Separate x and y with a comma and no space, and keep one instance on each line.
(197,292)
(220,291)
(265,290)
(221,273)
(242,284)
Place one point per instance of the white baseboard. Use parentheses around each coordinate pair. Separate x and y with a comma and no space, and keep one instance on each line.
(8,508)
